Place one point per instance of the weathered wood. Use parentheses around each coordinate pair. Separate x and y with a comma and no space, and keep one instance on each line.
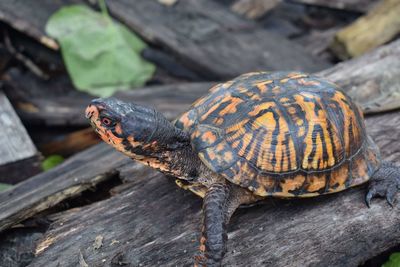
(77,174)
(30,18)
(154,223)
(210,39)
(317,42)
(351,5)
(72,143)
(379,26)
(67,106)
(372,80)
(254,9)
(15,145)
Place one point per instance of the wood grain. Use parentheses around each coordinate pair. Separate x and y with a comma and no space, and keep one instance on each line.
(211,40)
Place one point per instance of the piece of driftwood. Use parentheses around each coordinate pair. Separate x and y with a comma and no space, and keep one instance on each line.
(19,158)
(254,9)
(379,26)
(154,223)
(372,80)
(351,5)
(210,39)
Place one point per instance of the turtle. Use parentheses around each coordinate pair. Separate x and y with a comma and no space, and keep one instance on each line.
(262,134)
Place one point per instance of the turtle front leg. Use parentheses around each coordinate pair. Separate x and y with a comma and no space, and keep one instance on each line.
(384,183)
(218,205)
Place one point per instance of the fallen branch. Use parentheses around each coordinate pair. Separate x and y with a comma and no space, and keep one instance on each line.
(378,27)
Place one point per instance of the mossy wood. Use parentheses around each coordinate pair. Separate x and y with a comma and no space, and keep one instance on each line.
(378,27)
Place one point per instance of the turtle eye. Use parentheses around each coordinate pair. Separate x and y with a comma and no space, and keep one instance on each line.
(106,121)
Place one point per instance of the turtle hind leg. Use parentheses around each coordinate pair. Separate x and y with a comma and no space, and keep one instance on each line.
(384,183)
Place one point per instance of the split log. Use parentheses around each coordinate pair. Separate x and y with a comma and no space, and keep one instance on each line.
(210,39)
(254,9)
(372,80)
(77,174)
(135,225)
(350,5)
(379,26)
(19,158)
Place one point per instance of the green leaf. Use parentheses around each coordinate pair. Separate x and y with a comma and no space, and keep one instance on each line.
(394,260)
(4,186)
(51,162)
(101,56)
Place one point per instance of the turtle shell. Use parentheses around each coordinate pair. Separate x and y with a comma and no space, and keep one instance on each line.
(286,134)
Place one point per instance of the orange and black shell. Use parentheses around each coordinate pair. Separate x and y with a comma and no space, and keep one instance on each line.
(286,134)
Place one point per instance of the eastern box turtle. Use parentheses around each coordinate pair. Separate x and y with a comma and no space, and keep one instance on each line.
(282,134)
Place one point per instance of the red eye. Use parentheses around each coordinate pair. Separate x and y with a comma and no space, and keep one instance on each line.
(106,121)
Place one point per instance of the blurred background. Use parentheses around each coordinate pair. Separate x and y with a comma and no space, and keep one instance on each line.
(57,55)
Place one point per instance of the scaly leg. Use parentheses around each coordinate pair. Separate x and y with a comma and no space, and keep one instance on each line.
(219,204)
(384,183)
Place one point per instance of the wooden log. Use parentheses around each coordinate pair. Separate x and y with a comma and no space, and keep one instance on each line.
(77,174)
(210,39)
(254,9)
(29,18)
(372,80)
(19,158)
(350,5)
(66,108)
(138,227)
(378,27)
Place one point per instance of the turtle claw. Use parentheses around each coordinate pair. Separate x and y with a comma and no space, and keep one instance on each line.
(386,188)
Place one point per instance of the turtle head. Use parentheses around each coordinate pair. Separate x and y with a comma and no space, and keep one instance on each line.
(135,130)
(128,127)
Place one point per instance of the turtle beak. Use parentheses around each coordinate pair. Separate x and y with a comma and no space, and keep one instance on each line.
(90,111)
